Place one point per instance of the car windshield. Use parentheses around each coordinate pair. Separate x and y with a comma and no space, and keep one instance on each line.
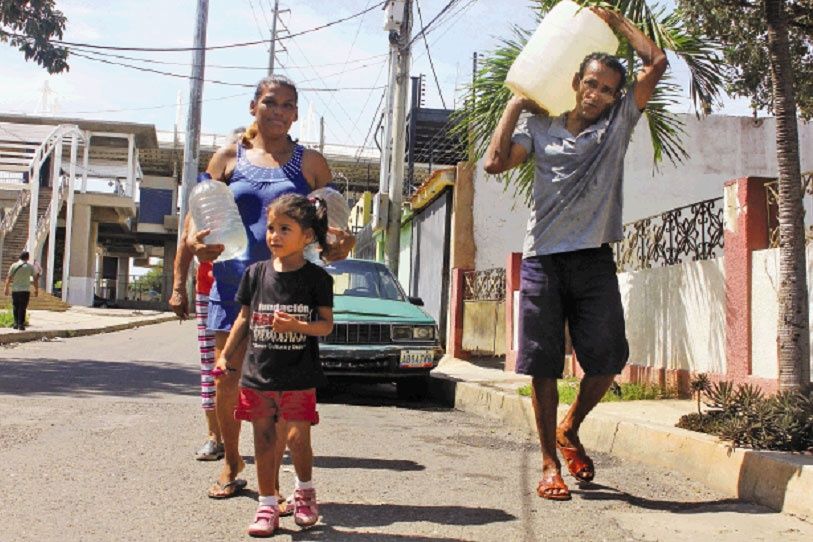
(358,278)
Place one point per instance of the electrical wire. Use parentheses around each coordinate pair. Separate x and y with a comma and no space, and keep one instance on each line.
(429,55)
(214,81)
(206,48)
(426,27)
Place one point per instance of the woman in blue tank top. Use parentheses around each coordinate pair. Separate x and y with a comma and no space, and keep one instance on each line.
(265,164)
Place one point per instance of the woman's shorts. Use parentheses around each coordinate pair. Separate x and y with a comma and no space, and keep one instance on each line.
(293,405)
(222,315)
(580,289)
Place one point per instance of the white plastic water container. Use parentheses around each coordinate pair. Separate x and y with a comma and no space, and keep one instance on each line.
(212,206)
(544,69)
(338,213)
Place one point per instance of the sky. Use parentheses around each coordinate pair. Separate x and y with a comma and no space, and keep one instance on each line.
(350,56)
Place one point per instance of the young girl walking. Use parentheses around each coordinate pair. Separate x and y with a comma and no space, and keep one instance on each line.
(286,303)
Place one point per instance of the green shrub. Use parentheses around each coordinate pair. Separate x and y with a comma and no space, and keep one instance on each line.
(745,417)
(7,317)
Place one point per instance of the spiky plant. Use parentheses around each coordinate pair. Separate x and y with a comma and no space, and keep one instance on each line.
(699,385)
(488,96)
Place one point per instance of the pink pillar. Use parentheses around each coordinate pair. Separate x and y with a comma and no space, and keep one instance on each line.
(454,339)
(511,285)
(746,230)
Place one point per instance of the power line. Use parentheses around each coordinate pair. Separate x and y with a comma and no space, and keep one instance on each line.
(210,47)
(214,81)
(219,66)
(429,55)
(426,27)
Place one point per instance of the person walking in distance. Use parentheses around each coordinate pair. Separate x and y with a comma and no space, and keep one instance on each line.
(286,303)
(18,284)
(568,273)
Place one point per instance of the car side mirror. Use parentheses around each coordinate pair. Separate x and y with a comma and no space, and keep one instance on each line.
(416,301)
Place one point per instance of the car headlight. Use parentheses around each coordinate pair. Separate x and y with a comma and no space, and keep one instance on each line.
(423,333)
(401,333)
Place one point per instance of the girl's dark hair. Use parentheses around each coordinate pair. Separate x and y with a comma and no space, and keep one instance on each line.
(609,61)
(307,212)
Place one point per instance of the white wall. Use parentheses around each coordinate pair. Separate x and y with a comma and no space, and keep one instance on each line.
(765,310)
(675,316)
(720,148)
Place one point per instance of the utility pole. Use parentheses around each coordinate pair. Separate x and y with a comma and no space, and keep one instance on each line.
(401,43)
(191,144)
(273,38)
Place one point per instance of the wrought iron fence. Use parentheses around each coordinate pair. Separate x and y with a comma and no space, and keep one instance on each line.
(772,202)
(690,233)
(486,285)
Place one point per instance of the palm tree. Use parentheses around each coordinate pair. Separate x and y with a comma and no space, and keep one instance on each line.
(488,96)
(794,334)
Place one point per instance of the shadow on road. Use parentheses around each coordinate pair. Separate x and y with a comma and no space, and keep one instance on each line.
(374,395)
(378,515)
(597,492)
(76,377)
(326,532)
(370,463)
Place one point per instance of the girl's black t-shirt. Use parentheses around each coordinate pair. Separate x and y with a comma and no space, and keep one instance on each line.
(283,361)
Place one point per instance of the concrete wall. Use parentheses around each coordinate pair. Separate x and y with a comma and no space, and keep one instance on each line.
(765,309)
(720,148)
(675,316)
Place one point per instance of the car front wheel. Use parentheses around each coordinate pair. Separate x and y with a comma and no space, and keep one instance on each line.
(413,388)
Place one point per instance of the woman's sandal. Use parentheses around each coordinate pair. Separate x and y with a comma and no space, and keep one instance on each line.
(229,489)
(578,463)
(553,488)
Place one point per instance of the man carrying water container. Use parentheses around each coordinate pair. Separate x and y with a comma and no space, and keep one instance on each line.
(568,272)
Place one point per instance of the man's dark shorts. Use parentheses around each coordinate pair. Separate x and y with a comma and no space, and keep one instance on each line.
(579,288)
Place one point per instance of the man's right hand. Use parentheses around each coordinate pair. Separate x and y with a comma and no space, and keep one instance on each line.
(527,104)
(203,252)
(179,303)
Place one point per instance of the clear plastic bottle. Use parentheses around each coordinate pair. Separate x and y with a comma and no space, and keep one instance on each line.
(212,206)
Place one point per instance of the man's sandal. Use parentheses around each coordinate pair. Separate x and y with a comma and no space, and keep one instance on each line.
(553,488)
(229,489)
(578,463)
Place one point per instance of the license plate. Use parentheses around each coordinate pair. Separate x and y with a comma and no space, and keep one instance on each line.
(416,358)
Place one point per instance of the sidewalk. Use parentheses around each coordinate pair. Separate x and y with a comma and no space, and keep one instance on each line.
(642,431)
(78,321)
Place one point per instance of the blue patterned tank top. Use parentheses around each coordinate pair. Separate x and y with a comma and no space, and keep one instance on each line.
(254,188)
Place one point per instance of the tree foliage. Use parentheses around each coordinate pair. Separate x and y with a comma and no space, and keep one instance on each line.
(488,96)
(29,25)
(740,27)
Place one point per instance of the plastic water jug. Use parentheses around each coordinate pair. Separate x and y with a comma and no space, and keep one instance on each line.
(212,206)
(338,213)
(544,69)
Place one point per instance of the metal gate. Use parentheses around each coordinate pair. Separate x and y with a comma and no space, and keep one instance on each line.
(431,232)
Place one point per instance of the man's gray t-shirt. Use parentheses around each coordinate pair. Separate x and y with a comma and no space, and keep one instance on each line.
(577,192)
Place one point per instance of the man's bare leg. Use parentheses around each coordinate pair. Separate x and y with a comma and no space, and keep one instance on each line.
(545,401)
(226,394)
(591,390)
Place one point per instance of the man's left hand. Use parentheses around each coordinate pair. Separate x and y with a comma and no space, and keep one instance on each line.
(609,16)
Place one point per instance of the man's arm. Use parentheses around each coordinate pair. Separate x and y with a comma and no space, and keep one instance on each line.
(653,57)
(7,285)
(502,153)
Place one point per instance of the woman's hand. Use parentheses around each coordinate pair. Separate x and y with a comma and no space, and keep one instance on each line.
(223,369)
(341,247)
(203,252)
(179,303)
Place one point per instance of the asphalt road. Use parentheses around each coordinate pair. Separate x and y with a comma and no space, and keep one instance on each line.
(97,436)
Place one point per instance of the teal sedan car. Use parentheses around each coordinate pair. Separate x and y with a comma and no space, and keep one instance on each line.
(379,333)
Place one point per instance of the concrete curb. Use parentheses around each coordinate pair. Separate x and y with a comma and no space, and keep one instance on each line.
(780,481)
(28,336)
